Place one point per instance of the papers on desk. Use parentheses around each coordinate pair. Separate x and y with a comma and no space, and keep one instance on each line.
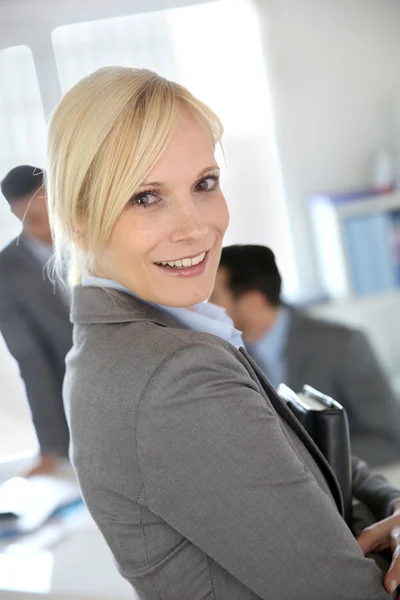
(27,504)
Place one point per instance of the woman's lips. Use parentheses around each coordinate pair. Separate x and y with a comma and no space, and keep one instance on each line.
(193,271)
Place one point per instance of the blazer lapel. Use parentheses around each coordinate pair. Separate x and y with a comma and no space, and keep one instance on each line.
(284,411)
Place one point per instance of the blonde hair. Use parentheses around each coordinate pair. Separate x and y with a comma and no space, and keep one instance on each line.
(105,136)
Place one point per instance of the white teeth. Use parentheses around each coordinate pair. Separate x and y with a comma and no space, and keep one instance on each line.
(184,262)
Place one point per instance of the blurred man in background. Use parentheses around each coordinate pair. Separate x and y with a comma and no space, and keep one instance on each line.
(292,347)
(34,315)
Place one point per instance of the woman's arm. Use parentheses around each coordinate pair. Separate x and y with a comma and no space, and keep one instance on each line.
(218,467)
(385,535)
(384,501)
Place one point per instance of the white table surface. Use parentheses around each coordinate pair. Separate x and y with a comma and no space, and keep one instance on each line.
(79,566)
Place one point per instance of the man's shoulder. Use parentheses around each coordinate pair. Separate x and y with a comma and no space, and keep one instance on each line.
(15,271)
(11,253)
(304,322)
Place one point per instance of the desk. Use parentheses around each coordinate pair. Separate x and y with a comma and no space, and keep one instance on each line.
(78,567)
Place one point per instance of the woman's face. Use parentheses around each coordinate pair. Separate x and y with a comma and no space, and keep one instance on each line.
(166,245)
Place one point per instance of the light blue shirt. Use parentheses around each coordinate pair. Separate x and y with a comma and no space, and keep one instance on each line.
(269,350)
(205,317)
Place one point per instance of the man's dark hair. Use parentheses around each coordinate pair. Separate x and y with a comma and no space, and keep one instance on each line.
(250,268)
(20,182)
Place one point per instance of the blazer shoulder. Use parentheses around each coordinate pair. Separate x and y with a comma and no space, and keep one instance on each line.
(10,268)
(8,252)
(114,364)
(170,340)
(106,344)
(12,256)
(309,323)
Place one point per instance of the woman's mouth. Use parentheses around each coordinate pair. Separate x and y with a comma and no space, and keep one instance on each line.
(185,267)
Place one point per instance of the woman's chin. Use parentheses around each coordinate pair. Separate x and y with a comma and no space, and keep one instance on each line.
(187,300)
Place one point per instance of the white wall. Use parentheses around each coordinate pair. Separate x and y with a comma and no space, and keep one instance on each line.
(334,68)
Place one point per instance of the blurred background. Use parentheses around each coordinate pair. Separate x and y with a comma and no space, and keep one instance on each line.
(309,94)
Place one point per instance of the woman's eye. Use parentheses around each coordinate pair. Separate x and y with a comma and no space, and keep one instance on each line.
(207,184)
(144,199)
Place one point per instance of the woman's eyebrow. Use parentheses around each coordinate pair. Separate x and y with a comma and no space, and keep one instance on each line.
(163,183)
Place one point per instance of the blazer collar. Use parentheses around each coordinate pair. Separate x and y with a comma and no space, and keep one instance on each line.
(94,305)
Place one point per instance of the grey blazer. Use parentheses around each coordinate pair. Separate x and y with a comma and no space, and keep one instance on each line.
(34,322)
(201,480)
(340,362)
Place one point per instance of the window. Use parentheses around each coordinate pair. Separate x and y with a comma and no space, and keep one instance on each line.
(22,123)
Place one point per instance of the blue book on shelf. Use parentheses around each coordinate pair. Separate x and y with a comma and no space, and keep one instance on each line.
(371,261)
(345,196)
(395,242)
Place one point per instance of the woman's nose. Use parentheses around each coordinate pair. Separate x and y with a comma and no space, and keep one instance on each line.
(189,224)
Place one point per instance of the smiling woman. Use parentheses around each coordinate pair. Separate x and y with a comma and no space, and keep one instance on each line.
(161,200)
(195,471)
(172,228)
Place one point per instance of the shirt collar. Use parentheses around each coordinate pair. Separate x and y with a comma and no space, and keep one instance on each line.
(273,342)
(205,317)
(40,251)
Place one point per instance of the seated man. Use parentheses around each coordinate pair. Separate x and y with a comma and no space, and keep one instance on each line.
(34,317)
(294,348)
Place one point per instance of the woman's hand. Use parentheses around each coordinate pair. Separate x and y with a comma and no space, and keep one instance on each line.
(381,536)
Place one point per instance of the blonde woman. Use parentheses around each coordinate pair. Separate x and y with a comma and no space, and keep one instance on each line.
(203,484)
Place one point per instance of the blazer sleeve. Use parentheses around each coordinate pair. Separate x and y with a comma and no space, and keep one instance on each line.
(218,468)
(373,490)
(367,391)
(43,390)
